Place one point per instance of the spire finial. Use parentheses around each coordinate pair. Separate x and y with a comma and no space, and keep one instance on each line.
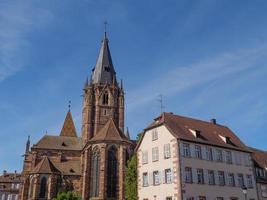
(105,28)
(69,104)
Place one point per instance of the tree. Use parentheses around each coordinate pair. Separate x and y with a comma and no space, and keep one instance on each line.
(131,179)
(67,196)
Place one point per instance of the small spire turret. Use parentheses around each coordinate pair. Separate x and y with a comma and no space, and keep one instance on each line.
(28,143)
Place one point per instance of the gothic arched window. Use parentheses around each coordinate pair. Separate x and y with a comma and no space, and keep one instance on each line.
(43,186)
(95,168)
(105,99)
(112,173)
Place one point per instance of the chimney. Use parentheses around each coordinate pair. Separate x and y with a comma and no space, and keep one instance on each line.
(213,121)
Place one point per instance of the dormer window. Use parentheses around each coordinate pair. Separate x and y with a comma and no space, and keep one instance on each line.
(197,134)
(105,99)
(227,140)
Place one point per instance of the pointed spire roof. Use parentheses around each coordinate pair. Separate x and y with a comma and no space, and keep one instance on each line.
(68,129)
(128,133)
(110,132)
(45,166)
(28,143)
(104,71)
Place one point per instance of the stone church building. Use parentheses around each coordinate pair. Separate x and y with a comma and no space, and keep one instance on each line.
(92,165)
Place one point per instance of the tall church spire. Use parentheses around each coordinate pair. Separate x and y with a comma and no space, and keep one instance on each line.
(27,149)
(104,71)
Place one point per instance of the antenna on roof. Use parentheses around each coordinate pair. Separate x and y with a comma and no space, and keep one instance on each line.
(160,100)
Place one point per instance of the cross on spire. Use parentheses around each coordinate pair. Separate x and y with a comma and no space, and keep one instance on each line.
(69,105)
(105,28)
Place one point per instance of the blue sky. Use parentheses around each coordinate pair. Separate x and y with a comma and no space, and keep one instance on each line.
(207,58)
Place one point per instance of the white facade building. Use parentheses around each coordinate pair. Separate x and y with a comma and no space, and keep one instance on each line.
(183,158)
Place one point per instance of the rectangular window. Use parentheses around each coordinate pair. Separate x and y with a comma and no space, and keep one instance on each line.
(209,153)
(167,151)
(221,178)
(154,134)
(168,176)
(190,198)
(211,177)
(168,198)
(186,150)
(156,178)
(249,181)
(200,176)
(229,159)
(202,198)
(231,179)
(219,156)
(155,154)
(198,151)
(240,179)
(144,157)
(145,179)
(188,175)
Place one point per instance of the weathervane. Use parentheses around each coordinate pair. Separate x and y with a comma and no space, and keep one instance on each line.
(69,105)
(105,28)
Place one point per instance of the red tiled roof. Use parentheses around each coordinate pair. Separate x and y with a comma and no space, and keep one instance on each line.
(260,157)
(45,166)
(210,133)
(111,133)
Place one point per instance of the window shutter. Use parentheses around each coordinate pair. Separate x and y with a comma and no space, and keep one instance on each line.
(150,178)
(205,175)
(192,150)
(216,178)
(194,175)
(163,177)
(172,177)
(159,177)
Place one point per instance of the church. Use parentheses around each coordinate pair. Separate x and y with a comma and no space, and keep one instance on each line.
(92,165)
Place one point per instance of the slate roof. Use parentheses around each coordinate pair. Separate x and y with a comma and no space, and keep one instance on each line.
(210,133)
(111,133)
(68,128)
(60,143)
(45,166)
(104,71)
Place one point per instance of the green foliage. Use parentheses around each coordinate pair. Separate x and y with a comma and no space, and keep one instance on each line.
(131,179)
(67,196)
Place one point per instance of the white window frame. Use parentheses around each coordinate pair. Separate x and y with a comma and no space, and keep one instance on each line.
(198,152)
(211,177)
(221,177)
(145,179)
(167,151)
(144,157)
(186,150)
(155,154)
(188,175)
(228,157)
(168,176)
(154,134)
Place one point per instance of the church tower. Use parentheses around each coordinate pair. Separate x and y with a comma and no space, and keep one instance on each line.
(107,147)
(103,96)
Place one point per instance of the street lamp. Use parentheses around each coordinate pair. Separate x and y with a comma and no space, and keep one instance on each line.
(245,191)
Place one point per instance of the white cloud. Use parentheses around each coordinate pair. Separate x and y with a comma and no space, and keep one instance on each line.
(180,78)
(17,20)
